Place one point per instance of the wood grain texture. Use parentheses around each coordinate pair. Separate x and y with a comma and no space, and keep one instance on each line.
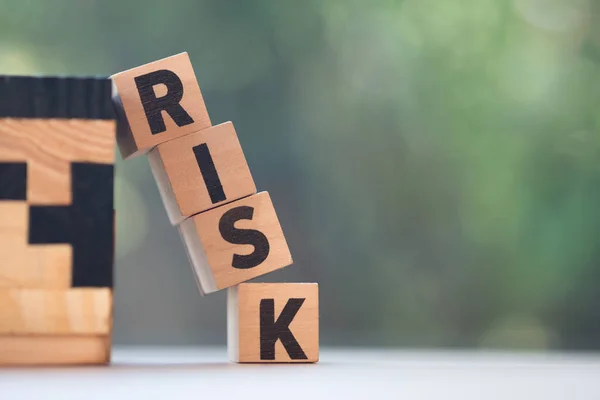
(49,146)
(184,188)
(38,350)
(246,329)
(212,256)
(46,148)
(66,312)
(26,266)
(135,136)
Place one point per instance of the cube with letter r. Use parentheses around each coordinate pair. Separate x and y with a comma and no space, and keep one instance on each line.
(157,102)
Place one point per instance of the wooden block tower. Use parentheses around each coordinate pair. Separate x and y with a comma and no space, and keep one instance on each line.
(57,139)
(231,233)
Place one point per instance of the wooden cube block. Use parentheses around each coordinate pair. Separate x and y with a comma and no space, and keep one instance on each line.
(157,102)
(273,322)
(57,140)
(54,349)
(235,242)
(200,171)
(55,312)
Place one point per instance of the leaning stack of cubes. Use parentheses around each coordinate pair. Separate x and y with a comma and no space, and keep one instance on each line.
(231,233)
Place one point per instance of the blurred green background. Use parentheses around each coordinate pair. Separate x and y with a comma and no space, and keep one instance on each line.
(434,163)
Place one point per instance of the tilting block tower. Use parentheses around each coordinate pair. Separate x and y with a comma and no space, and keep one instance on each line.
(231,233)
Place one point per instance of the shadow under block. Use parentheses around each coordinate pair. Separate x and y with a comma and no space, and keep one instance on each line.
(235,242)
(56,202)
(54,349)
(157,102)
(200,171)
(273,322)
(55,312)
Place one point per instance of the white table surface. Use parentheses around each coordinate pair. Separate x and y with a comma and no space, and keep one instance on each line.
(195,373)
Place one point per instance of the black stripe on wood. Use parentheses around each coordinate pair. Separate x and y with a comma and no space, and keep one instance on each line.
(271,331)
(209,173)
(55,97)
(87,224)
(13,181)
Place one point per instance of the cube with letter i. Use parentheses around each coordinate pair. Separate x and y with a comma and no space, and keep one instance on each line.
(201,171)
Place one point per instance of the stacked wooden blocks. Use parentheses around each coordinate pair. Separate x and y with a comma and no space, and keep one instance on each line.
(57,138)
(231,233)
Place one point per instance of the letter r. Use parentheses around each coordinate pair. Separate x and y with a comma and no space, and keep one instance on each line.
(154,106)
